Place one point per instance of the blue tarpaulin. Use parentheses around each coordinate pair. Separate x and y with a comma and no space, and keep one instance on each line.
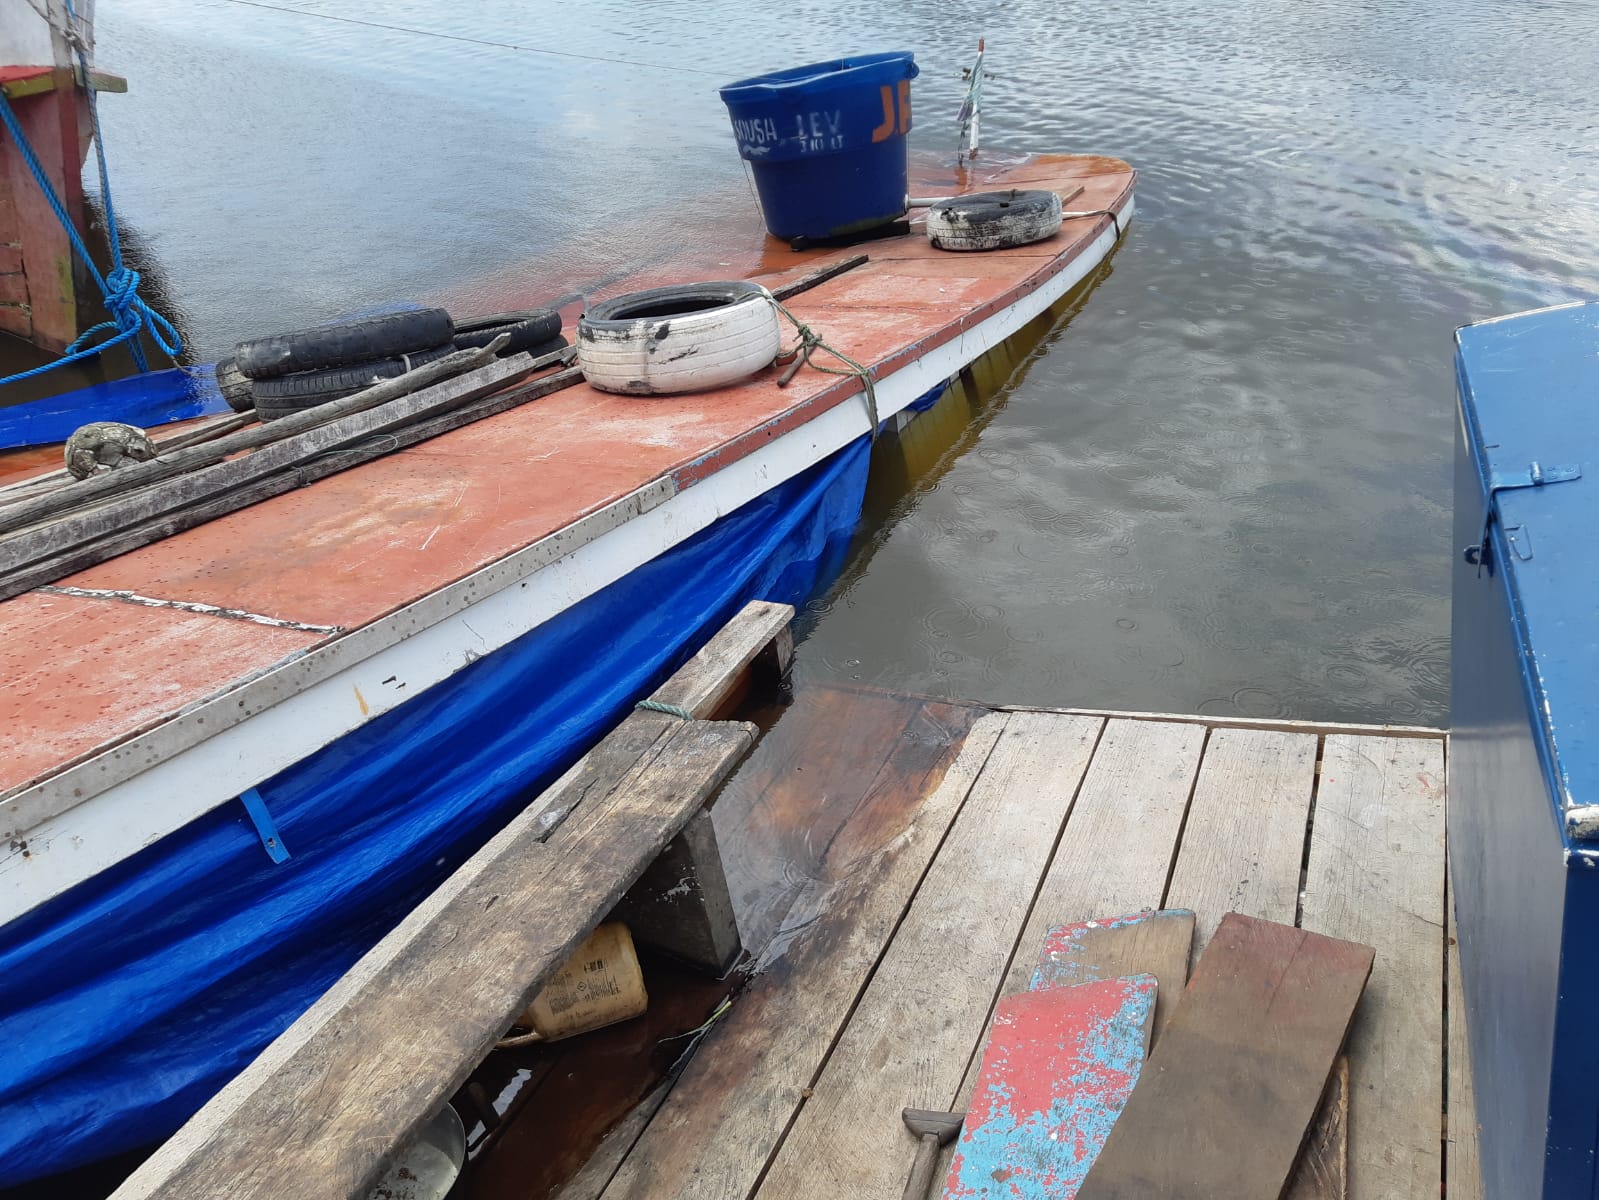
(143,400)
(127,1002)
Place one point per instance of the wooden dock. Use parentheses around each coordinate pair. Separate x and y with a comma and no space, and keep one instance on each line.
(941,841)
(894,864)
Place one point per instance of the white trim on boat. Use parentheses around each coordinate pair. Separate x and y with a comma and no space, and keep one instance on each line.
(68,828)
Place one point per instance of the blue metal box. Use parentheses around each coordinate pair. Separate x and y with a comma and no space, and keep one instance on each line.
(1524,743)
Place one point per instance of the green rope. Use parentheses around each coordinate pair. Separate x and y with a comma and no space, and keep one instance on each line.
(671,710)
(800,355)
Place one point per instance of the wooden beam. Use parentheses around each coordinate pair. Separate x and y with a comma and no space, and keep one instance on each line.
(1323,728)
(1225,1100)
(473,367)
(1244,840)
(700,686)
(143,533)
(912,1034)
(355,1077)
(1375,874)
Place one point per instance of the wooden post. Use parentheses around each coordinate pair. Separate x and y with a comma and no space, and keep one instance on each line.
(681,906)
(43,284)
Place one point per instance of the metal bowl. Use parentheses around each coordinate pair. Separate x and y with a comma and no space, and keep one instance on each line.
(429,1167)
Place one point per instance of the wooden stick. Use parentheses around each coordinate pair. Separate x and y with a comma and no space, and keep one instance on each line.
(61,477)
(807,282)
(85,524)
(142,534)
(98,487)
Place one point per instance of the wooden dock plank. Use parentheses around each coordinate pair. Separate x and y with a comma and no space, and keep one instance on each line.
(1376,875)
(912,1034)
(839,763)
(1462,1168)
(1225,1100)
(1116,852)
(1322,1172)
(364,1068)
(716,1132)
(1245,838)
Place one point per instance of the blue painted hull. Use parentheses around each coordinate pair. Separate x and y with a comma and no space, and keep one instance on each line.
(158,398)
(126,1003)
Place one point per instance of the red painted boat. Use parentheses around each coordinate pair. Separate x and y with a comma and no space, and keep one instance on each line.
(345,658)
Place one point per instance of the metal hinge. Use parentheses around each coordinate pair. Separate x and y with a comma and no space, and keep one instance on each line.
(1518,536)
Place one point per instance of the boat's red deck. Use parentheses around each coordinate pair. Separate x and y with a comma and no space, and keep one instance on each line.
(78,673)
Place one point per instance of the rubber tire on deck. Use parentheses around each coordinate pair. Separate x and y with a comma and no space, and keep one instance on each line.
(993,220)
(235,386)
(289,394)
(346,344)
(527,330)
(686,338)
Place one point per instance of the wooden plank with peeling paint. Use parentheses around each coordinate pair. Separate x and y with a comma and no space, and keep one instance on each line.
(1148,942)
(1059,1067)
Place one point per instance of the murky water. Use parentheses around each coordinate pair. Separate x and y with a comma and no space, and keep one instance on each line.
(1223,485)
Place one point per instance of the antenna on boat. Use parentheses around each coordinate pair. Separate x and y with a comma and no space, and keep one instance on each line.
(971,108)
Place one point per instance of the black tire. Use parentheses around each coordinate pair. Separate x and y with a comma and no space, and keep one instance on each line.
(994,220)
(234,385)
(288,394)
(549,347)
(527,330)
(346,344)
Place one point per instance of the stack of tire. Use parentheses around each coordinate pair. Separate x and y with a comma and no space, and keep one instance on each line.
(288,373)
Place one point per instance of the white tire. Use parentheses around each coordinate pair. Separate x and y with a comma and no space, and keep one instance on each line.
(993,220)
(689,338)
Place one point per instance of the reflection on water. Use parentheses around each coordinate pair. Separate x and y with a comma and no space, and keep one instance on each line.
(1222,486)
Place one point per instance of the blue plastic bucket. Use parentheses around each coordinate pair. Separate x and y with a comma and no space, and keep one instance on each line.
(827,143)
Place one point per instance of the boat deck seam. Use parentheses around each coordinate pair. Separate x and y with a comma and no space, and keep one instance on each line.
(124,596)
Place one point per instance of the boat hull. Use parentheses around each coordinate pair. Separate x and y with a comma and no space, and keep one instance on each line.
(132,998)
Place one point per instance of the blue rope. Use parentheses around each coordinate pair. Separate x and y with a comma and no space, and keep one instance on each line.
(120,286)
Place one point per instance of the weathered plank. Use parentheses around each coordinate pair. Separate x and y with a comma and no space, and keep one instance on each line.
(716,1132)
(913,1032)
(1117,849)
(1244,842)
(1115,854)
(699,686)
(1462,1167)
(1057,1071)
(1322,1172)
(836,760)
(1225,1100)
(418,386)
(356,1076)
(1145,943)
(1376,875)
(596,1173)
(1279,724)
(84,524)
(141,533)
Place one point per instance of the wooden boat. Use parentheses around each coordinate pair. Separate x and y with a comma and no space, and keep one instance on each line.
(233,758)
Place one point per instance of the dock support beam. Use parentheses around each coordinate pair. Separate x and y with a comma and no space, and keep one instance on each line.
(681,906)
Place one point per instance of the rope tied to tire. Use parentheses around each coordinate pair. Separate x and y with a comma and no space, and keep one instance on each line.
(800,354)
